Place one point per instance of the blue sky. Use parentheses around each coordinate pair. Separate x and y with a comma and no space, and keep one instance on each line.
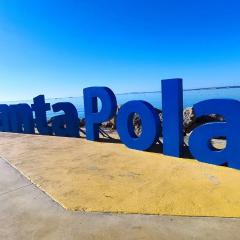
(59,47)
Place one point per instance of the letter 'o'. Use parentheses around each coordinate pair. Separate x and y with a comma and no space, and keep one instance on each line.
(200,139)
(150,125)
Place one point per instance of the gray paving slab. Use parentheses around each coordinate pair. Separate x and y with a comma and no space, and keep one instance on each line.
(10,179)
(28,213)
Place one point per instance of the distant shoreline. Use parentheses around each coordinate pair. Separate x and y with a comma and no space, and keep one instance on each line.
(129,93)
(185,90)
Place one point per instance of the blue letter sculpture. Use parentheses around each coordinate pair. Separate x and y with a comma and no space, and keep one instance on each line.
(4,118)
(68,124)
(40,108)
(93,116)
(172,109)
(200,139)
(150,123)
(21,118)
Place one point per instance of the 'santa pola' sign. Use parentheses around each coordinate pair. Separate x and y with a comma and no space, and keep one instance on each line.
(19,118)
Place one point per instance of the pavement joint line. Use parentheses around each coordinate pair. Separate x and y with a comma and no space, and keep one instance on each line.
(16,189)
(7,162)
(30,184)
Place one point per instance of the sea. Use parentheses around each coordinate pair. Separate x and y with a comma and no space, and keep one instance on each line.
(190,97)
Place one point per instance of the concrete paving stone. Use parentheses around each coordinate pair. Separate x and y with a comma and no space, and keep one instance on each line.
(10,178)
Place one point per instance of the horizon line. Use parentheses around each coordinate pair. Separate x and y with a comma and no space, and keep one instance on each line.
(139,92)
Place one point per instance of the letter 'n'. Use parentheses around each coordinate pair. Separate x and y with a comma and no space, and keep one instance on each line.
(21,118)
(4,118)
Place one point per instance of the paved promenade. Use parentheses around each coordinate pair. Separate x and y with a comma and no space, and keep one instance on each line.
(28,213)
(109,177)
(79,173)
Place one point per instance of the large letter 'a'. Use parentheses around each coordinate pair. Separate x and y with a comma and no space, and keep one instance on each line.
(200,139)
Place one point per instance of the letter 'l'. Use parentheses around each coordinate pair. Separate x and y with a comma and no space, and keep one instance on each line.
(172,109)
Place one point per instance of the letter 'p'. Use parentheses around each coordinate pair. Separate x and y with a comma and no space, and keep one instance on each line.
(93,116)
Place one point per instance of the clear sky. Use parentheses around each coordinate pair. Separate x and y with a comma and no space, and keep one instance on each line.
(59,47)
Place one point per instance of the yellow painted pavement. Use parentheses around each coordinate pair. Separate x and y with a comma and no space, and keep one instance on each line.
(109,177)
